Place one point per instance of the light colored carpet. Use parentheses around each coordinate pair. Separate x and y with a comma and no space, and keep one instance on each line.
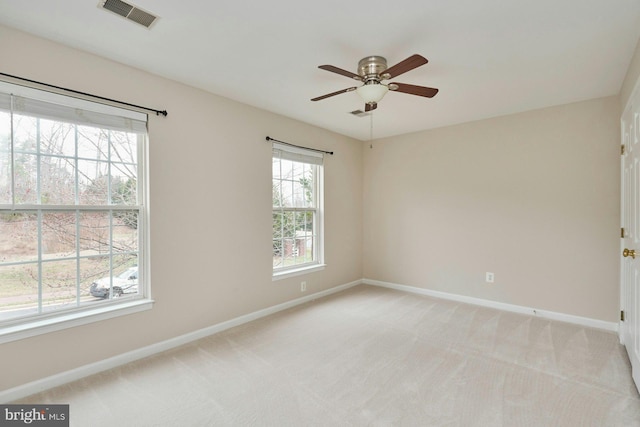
(371,356)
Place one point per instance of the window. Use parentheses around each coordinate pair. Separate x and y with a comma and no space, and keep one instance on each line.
(297,201)
(72,211)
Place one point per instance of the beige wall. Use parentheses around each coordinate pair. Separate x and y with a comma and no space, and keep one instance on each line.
(210,169)
(531,197)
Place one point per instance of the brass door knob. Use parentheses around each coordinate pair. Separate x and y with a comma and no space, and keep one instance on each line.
(629,252)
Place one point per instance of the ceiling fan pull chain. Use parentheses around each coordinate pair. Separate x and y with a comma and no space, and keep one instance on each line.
(371,131)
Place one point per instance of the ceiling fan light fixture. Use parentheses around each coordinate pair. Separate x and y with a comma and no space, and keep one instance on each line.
(372,70)
(372,93)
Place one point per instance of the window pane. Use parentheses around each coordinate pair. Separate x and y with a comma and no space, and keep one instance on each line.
(18,290)
(305,246)
(286,189)
(94,233)
(288,224)
(275,167)
(278,223)
(295,252)
(99,284)
(286,169)
(57,138)
(93,143)
(304,223)
(93,182)
(58,234)
(123,262)
(298,194)
(304,236)
(278,252)
(25,134)
(277,193)
(125,276)
(125,231)
(308,183)
(297,171)
(124,147)
(25,169)
(91,270)
(59,284)
(278,245)
(124,190)
(18,237)
(57,180)
(124,173)
(5,158)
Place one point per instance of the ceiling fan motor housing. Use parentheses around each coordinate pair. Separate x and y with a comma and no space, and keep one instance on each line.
(371,67)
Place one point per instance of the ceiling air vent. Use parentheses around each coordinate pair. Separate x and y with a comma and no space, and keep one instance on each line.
(129,12)
(359,113)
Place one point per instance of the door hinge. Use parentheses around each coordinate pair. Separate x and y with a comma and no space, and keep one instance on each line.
(622,233)
(622,315)
(622,150)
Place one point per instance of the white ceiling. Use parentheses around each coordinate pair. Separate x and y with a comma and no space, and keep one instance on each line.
(487,57)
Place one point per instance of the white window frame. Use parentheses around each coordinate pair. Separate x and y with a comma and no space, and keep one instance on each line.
(19,328)
(315,158)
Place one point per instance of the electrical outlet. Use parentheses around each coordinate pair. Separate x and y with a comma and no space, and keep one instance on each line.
(489,277)
(303,286)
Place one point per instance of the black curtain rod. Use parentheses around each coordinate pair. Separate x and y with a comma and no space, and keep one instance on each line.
(299,146)
(158,112)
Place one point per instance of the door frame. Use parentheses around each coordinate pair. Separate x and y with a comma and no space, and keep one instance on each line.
(623,303)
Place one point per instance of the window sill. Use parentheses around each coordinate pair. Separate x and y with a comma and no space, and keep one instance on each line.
(31,328)
(297,272)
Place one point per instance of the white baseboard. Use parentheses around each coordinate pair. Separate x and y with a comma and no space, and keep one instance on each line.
(552,315)
(38,386)
(43,384)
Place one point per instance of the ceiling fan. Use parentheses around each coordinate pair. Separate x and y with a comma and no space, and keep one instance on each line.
(372,70)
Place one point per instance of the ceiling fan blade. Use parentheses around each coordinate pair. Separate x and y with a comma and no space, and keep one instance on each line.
(428,92)
(340,71)
(334,93)
(414,61)
(370,106)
